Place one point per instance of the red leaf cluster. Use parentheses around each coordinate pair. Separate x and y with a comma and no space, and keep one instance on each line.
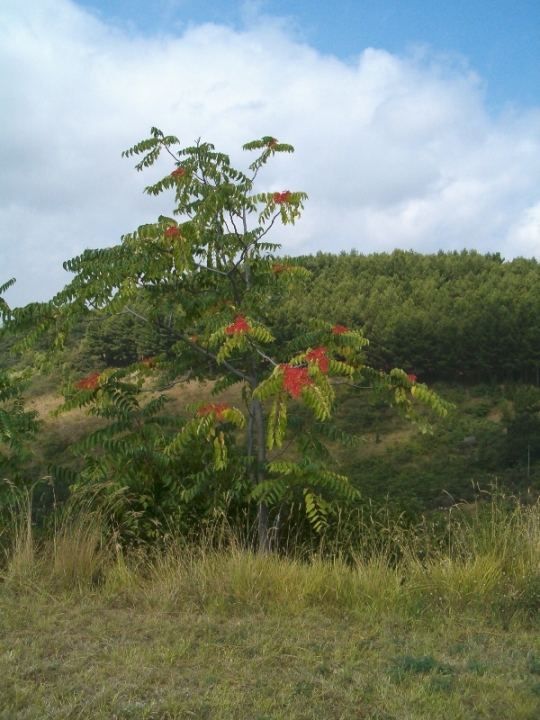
(217,409)
(283,197)
(178,172)
(172,231)
(412,378)
(279,267)
(320,357)
(239,326)
(295,378)
(339,329)
(89,383)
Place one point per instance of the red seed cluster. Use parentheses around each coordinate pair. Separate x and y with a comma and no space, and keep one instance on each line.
(89,383)
(178,172)
(412,378)
(320,357)
(339,329)
(172,231)
(272,143)
(239,326)
(283,197)
(148,361)
(295,378)
(217,409)
(279,268)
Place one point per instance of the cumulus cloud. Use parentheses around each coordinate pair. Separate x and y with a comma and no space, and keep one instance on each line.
(393,151)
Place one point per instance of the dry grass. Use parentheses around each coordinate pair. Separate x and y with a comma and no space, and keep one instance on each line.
(71,427)
(447,631)
(388,440)
(182,395)
(72,558)
(68,429)
(486,555)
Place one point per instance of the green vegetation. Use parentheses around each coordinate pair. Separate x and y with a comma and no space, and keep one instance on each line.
(454,316)
(17,425)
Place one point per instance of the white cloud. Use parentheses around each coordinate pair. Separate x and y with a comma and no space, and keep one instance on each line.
(394,152)
(524,235)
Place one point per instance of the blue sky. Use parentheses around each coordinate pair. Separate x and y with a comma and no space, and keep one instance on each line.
(499,39)
(416,124)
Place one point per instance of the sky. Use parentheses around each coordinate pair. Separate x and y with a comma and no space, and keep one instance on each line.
(416,124)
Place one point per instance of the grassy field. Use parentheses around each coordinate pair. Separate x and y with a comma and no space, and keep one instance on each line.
(107,658)
(437,630)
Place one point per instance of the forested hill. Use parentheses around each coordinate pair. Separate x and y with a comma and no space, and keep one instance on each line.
(458,315)
(463,317)
(451,316)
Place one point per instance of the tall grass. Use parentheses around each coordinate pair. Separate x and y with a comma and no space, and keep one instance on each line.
(486,559)
(19,547)
(71,556)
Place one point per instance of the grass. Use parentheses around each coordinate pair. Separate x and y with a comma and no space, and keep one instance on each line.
(96,659)
(445,628)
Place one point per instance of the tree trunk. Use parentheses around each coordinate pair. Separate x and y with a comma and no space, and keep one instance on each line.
(263,534)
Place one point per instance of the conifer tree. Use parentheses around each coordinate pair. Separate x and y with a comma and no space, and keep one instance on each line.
(206,274)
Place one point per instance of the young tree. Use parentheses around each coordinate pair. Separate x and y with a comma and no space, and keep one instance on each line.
(206,276)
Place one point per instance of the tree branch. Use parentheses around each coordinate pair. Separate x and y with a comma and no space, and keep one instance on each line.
(192,345)
(211,269)
(260,352)
(344,382)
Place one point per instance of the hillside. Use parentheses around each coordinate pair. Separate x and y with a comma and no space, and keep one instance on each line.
(466,324)
(396,464)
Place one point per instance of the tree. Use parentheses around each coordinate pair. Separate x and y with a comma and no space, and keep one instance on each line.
(18,426)
(208,276)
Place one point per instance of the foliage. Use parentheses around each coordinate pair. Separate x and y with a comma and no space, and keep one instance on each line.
(522,441)
(206,277)
(18,426)
(122,339)
(455,315)
(155,469)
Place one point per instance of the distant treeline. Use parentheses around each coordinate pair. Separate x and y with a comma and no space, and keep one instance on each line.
(450,316)
(458,315)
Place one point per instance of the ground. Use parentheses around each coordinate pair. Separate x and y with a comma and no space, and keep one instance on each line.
(105,658)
